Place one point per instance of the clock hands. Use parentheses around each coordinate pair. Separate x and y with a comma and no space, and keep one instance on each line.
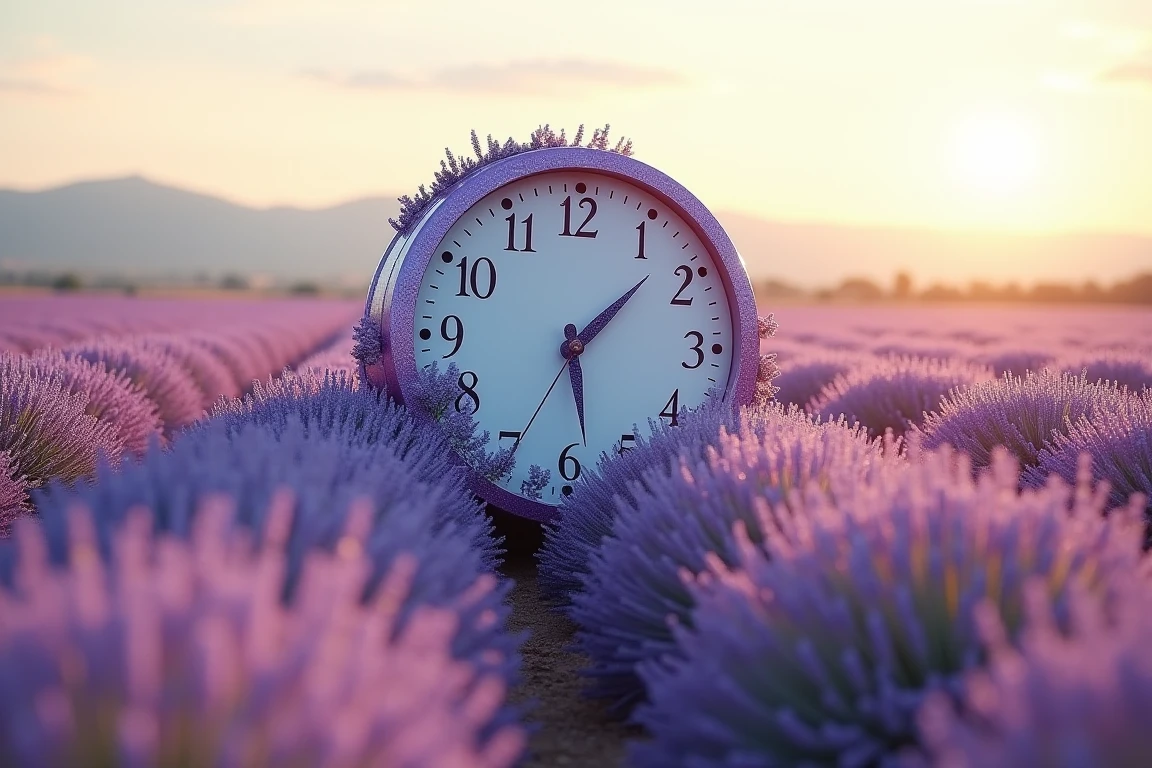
(575,344)
(524,431)
(571,350)
(602,319)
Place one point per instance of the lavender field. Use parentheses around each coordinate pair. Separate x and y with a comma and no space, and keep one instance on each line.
(218,548)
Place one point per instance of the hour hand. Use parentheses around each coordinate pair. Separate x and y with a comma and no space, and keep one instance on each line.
(571,350)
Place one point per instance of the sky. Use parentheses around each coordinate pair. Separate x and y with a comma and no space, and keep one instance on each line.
(1021,115)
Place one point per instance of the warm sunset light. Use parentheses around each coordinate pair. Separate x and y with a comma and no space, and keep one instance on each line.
(995,155)
(834,137)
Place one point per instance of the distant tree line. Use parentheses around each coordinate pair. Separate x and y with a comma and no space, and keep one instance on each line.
(1135,290)
(69,281)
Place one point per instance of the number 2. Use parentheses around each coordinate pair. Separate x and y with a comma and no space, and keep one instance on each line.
(676,300)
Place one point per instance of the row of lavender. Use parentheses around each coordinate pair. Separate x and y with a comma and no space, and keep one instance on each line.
(106,379)
(950,574)
(301,577)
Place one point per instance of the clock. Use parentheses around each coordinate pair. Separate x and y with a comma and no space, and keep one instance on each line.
(579,293)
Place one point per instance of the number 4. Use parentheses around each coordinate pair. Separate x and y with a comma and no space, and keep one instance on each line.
(671,408)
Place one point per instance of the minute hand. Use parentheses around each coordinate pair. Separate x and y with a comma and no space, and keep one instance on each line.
(602,319)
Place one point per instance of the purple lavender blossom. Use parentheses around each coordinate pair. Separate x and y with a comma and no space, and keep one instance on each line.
(586,517)
(894,392)
(1118,439)
(161,377)
(1021,413)
(1053,698)
(1128,369)
(13,493)
(326,474)
(330,407)
(818,646)
(183,651)
(538,479)
(366,342)
(802,377)
(437,395)
(111,397)
(452,170)
(634,581)
(44,429)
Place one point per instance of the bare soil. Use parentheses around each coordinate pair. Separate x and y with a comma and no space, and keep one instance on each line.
(568,729)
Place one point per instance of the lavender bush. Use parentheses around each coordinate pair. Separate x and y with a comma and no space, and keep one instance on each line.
(894,392)
(230,351)
(331,407)
(111,397)
(1052,700)
(181,652)
(1128,369)
(1118,440)
(1020,413)
(13,493)
(160,376)
(326,474)
(634,580)
(586,517)
(44,429)
(803,376)
(211,376)
(452,170)
(819,645)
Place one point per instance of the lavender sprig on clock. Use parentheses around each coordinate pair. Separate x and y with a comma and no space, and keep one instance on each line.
(453,170)
(436,395)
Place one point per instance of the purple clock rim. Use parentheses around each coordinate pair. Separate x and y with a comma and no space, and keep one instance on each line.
(393,303)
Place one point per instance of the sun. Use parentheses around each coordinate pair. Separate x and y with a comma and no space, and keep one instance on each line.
(997,155)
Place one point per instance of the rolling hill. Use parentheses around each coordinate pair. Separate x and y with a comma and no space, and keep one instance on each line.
(133,226)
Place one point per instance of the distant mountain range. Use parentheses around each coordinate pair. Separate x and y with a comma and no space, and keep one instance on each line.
(135,227)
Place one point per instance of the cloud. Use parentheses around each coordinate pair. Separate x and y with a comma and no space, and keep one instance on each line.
(48,71)
(29,86)
(528,76)
(1129,73)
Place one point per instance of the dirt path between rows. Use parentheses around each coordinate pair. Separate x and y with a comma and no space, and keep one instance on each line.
(569,729)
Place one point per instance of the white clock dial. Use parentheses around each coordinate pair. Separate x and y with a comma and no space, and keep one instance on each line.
(555,249)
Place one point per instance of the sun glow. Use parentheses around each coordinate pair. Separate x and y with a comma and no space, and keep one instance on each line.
(996,155)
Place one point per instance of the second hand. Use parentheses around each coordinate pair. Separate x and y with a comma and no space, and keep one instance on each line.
(529,424)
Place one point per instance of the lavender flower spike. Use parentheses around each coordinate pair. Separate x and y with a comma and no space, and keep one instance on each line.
(1055,700)
(436,396)
(452,170)
(1021,413)
(366,337)
(818,646)
(13,493)
(183,652)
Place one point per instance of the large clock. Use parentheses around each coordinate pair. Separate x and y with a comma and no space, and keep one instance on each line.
(580,294)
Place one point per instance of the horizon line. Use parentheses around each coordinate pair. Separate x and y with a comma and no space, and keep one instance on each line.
(764,217)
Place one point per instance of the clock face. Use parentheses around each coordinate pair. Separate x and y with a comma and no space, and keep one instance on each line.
(557,249)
